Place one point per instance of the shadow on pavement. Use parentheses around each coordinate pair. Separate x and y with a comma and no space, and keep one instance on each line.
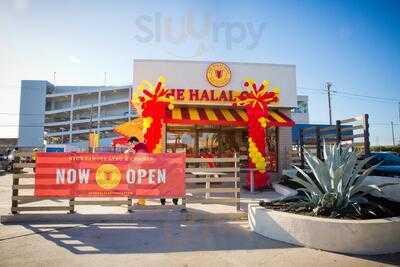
(119,238)
(393,259)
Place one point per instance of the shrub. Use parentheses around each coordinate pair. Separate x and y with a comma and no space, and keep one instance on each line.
(395,149)
(336,188)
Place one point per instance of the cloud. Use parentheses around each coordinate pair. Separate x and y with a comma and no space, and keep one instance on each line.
(74,59)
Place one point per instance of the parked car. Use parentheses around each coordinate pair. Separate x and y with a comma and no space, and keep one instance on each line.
(8,159)
(390,165)
(5,164)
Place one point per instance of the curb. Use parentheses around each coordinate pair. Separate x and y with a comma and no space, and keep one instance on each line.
(137,216)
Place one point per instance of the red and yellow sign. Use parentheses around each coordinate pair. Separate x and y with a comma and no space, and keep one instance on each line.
(218,74)
(203,96)
(105,174)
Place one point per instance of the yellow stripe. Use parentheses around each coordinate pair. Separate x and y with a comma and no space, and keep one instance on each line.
(194,114)
(243,114)
(210,114)
(228,115)
(176,114)
(276,116)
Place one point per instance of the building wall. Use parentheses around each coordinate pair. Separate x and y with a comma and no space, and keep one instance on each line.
(285,142)
(32,107)
(192,74)
(300,114)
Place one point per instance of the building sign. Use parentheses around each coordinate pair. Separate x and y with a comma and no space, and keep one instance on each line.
(204,96)
(106,174)
(204,75)
(218,74)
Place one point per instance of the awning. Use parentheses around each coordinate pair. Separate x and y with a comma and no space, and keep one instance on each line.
(131,128)
(220,116)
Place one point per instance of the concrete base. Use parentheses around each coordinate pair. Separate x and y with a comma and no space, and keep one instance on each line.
(142,216)
(363,237)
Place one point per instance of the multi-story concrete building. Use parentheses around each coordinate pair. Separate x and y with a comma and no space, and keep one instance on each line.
(66,114)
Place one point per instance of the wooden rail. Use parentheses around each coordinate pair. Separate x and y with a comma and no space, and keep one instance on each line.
(346,131)
(227,179)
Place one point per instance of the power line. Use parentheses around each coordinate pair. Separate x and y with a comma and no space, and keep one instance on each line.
(352,94)
(367,96)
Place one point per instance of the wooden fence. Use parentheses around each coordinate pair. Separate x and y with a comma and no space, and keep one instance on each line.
(353,131)
(217,185)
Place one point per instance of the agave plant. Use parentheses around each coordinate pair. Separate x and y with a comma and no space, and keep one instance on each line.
(336,187)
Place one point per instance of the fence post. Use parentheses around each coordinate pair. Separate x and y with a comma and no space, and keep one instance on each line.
(183,204)
(130,204)
(71,205)
(366,135)
(318,141)
(184,197)
(302,148)
(338,132)
(237,184)
(14,202)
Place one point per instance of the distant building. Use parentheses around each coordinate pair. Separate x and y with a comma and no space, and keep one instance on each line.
(300,113)
(65,114)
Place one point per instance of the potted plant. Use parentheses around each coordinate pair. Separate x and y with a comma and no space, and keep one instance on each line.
(327,212)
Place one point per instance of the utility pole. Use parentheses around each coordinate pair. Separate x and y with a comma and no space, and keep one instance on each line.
(54,77)
(394,141)
(328,87)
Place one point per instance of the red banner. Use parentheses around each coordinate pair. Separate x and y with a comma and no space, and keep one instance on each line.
(106,174)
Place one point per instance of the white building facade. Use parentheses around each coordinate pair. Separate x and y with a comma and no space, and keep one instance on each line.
(300,114)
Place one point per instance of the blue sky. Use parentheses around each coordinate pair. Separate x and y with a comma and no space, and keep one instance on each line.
(354,44)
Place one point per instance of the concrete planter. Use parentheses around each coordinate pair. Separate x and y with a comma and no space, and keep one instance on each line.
(365,237)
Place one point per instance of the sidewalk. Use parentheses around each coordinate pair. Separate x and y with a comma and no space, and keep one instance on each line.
(155,242)
(86,213)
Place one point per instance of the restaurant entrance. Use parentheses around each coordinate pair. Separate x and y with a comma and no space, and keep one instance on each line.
(217,141)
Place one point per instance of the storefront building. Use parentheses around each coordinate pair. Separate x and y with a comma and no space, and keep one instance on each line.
(205,121)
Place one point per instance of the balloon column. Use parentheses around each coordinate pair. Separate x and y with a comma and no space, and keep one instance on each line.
(153,101)
(256,102)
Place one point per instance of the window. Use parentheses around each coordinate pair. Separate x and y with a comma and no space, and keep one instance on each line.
(181,140)
(272,149)
(218,141)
